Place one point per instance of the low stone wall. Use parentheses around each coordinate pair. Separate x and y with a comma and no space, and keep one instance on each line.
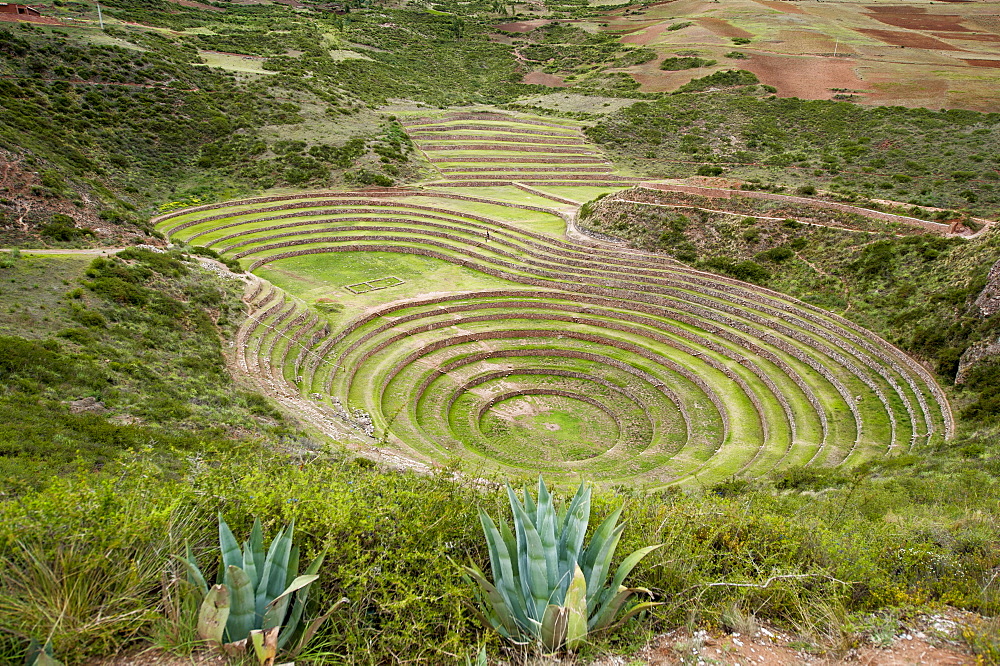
(817,203)
(540,169)
(555,178)
(523,160)
(600,359)
(444,129)
(479,116)
(500,139)
(514,148)
(608,182)
(805,340)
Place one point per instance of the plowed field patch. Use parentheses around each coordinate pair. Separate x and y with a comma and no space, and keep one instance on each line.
(724,28)
(921,21)
(543,79)
(982,63)
(805,77)
(911,39)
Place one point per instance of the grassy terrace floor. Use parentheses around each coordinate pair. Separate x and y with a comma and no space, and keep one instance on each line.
(494,340)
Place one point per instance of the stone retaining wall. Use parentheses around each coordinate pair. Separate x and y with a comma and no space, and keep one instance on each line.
(818,203)
(479,116)
(515,148)
(444,129)
(499,138)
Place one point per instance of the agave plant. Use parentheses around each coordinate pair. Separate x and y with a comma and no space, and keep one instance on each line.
(259,599)
(41,655)
(547,588)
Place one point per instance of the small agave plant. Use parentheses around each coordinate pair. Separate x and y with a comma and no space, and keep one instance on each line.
(41,655)
(547,587)
(260,598)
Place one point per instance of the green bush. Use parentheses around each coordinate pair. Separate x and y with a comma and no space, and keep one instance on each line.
(776,254)
(748,271)
(723,79)
(63,228)
(674,64)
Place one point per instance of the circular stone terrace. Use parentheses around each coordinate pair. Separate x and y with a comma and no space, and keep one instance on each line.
(459,321)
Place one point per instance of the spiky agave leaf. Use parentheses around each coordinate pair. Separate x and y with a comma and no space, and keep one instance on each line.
(274,616)
(213,615)
(501,618)
(596,559)
(574,527)
(532,563)
(503,562)
(310,630)
(194,575)
(241,604)
(576,608)
(300,603)
(552,630)
(232,556)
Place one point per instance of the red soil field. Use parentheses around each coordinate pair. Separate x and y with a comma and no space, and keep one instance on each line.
(912,39)
(968,36)
(807,77)
(982,63)
(787,7)
(645,36)
(522,26)
(543,79)
(920,21)
(723,29)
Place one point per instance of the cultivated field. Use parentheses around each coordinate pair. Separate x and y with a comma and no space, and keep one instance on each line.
(935,55)
(458,322)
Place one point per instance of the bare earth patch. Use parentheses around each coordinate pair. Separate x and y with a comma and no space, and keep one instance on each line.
(911,39)
(919,20)
(982,63)
(724,28)
(522,26)
(646,35)
(543,79)
(931,640)
(808,77)
(787,7)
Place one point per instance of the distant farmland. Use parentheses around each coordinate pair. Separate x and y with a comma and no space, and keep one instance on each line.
(934,55)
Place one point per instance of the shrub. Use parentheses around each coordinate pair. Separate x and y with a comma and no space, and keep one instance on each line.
(675,64)
(63,228)
(776,254)
(723,79)
(748,271)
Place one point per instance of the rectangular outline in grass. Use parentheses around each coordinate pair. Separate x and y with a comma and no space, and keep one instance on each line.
(369,285)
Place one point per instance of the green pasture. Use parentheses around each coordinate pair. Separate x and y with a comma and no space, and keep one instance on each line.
(315,276)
